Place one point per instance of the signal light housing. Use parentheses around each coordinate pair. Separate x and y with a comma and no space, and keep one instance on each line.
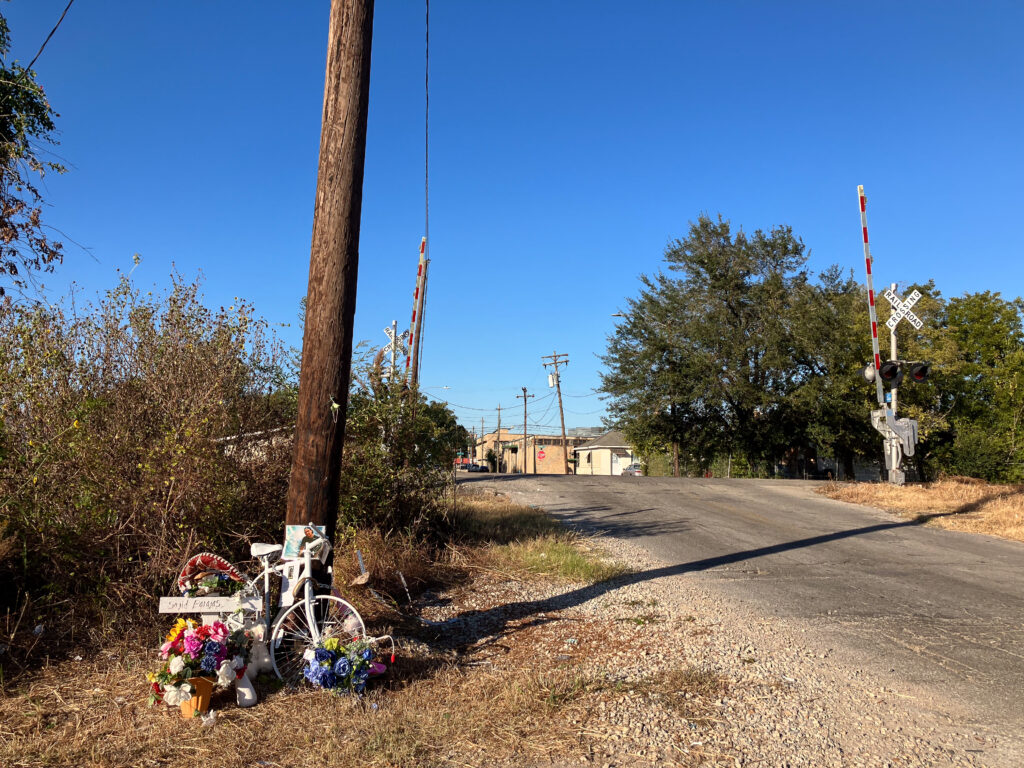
(891,373)
(919,372)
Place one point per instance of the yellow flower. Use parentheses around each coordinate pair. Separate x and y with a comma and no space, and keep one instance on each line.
(179,626)
(76,423)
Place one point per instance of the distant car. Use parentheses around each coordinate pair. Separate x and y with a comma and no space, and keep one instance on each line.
(483,468)
(473,467)
(634,470)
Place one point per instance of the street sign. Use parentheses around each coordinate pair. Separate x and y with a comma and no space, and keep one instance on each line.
(901,309)
(541,454)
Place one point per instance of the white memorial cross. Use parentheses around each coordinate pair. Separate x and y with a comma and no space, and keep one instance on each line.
(901,309)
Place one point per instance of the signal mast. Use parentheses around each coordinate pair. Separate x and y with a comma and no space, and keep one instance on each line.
(900,435)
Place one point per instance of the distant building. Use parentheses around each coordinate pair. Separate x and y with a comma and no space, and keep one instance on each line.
(543,454)
(608,454)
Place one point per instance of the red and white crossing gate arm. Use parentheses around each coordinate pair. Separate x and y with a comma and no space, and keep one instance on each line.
(871,295)
(416,299)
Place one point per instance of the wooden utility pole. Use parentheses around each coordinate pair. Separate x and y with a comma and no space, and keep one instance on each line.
(497,442)
(419,300)
(556,360)
(525,398)
(333,267)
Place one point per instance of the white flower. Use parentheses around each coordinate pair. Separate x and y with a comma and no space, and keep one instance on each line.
(177,664)
(225,674)
(176,694)
(309,654)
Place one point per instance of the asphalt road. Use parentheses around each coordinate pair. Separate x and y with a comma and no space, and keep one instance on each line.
(940,611)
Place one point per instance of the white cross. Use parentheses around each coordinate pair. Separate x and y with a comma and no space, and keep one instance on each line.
(901,309)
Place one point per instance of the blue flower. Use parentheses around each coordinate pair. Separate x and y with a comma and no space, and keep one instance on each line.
(209,663)
(342,667)
(310,673)
(327,678)
(359,687)
(212,647)
(367,654)
(322,654)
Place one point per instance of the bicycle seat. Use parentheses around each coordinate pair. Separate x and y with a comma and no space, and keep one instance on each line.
(265,550)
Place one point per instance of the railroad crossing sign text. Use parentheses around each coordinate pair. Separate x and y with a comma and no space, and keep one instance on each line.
(901,309)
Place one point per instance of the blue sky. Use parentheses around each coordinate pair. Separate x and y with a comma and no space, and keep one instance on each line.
(570,142)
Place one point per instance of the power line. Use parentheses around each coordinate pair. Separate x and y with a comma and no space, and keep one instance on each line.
(52,31)
(493,410)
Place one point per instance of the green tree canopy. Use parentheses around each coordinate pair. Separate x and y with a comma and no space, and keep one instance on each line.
(26,126)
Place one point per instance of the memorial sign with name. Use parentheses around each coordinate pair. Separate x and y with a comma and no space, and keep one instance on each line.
(208,604)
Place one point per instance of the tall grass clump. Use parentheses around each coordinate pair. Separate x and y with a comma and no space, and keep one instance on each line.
(133,431)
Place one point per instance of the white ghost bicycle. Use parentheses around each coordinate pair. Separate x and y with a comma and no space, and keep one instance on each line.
(307,613)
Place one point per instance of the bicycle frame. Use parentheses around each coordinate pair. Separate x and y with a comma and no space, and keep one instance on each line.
(305,579)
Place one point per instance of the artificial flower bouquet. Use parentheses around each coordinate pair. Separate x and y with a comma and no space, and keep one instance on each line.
(192,650)
(343,668)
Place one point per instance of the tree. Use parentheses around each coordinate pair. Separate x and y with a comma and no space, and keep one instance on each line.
(833,401)
(712,357)
(982,377)
(26,123)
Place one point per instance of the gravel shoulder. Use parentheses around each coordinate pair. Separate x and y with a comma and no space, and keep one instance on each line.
(791,698)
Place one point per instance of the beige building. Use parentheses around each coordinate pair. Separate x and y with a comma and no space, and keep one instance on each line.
(544,454)
(608,454)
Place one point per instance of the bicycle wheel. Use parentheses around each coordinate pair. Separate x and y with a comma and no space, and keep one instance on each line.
(292,634)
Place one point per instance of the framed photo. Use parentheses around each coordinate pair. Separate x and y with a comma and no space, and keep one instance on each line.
(297,538)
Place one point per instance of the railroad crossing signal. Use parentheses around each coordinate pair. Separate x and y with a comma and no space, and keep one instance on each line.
(901,309)
(396,342)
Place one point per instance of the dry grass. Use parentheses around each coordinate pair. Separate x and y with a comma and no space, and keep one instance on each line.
(958,504)
(691,690)
(524,541)
(509,703)
(95,715)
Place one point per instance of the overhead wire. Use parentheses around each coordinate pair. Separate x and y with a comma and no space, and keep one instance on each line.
(52,32)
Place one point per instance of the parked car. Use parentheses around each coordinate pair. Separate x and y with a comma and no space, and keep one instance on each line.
(483,468)
(635,470)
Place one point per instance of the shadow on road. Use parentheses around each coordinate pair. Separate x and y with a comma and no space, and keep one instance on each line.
(470,627)
(621,525)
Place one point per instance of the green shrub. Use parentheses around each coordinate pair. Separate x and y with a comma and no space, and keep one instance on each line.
(398,456)
(127,442)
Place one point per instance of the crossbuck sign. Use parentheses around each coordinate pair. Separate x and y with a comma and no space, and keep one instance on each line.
(397,345)
(901,309)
